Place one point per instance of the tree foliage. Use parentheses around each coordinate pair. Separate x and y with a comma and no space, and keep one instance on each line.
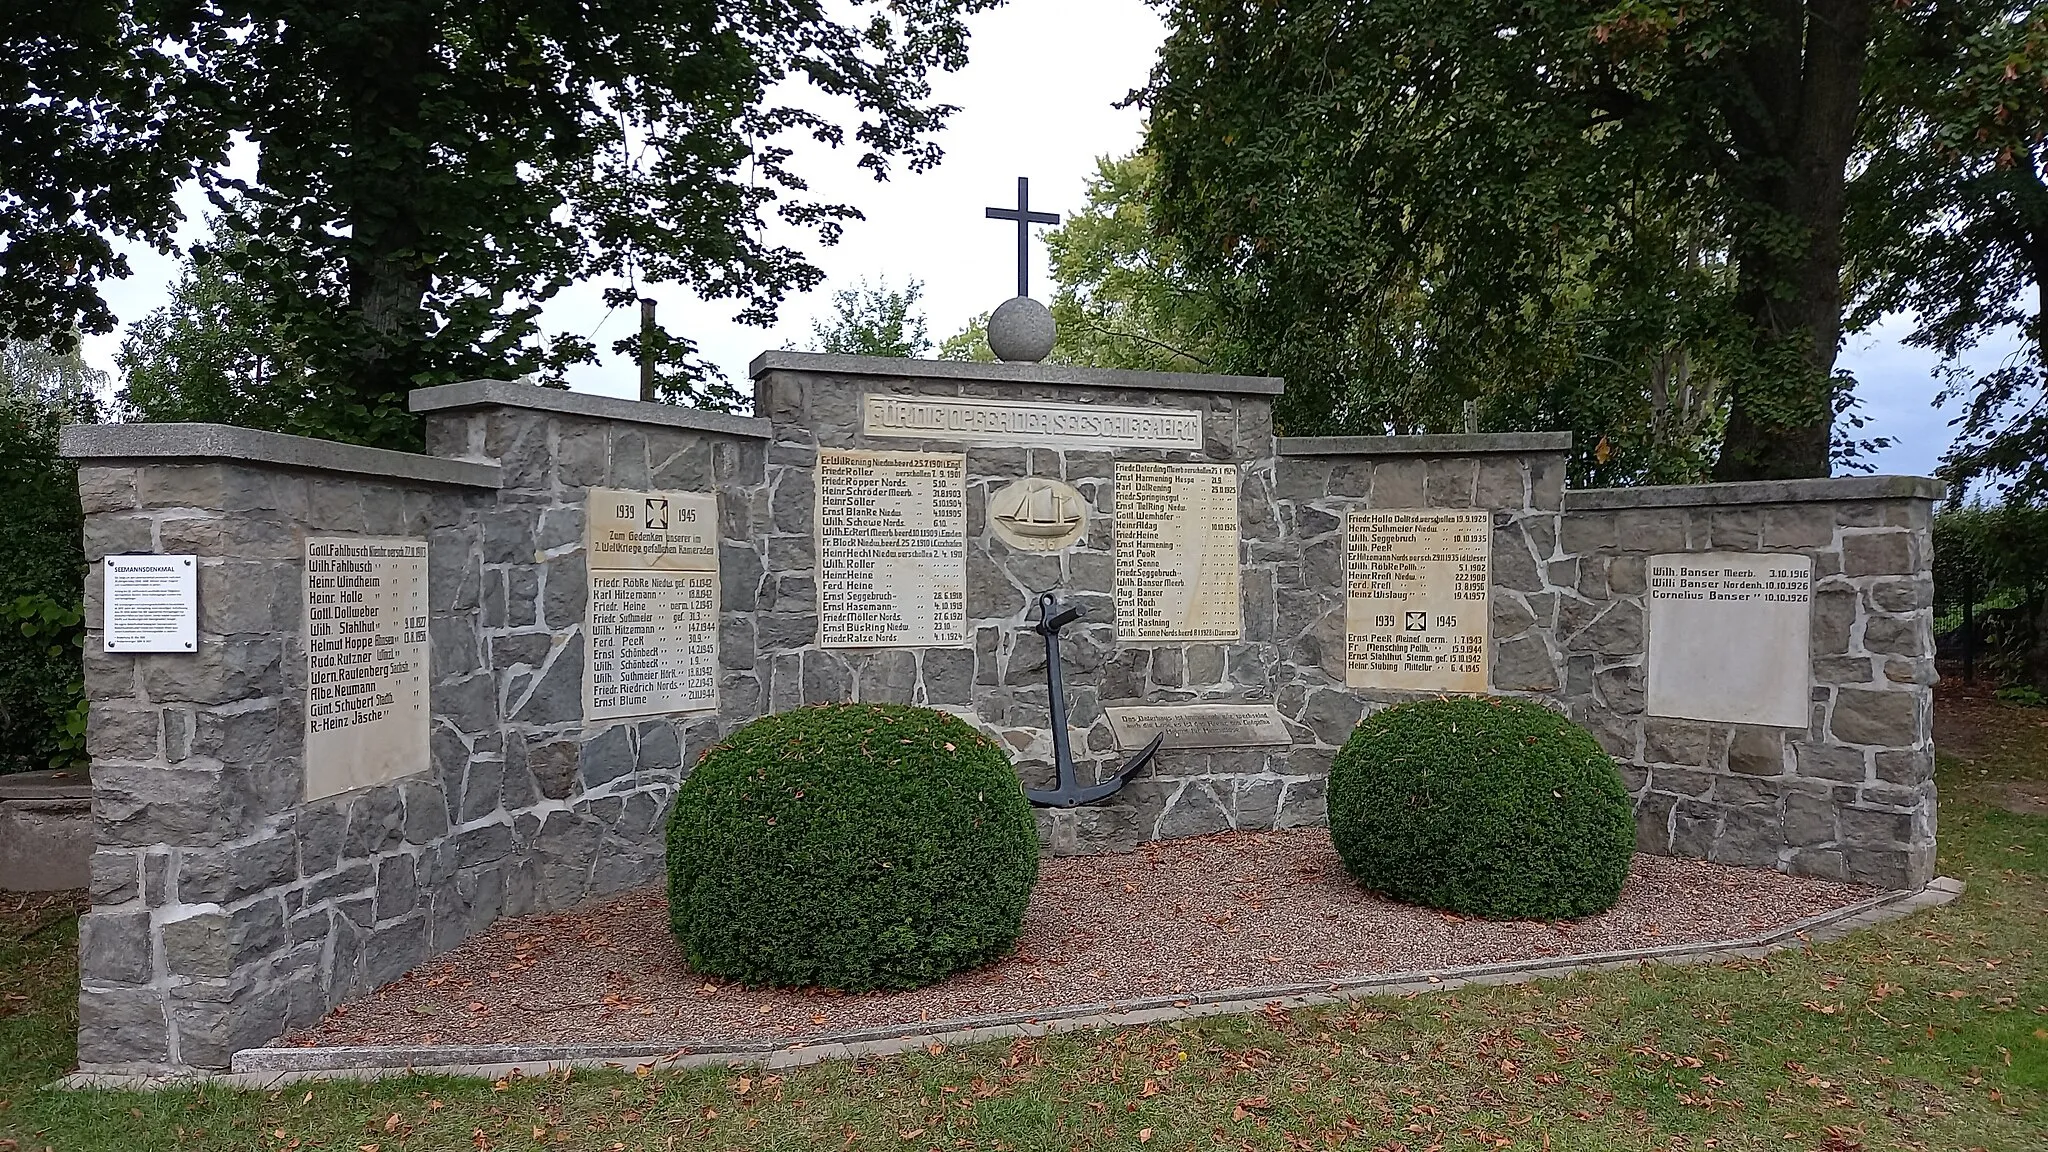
(428,173)
(1949,217)
(1555,208)
(41,534)
(874,321)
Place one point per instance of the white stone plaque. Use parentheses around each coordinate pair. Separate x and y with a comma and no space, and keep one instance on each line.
(152,604)
(1198,726)
(1029,422)
(1176,552)
(366,661)
(1415,601)
(651,623)
(1038,514)
(676,531)
(892,549)
(1729,637)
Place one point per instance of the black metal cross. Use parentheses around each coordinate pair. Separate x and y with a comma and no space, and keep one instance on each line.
(1025,218)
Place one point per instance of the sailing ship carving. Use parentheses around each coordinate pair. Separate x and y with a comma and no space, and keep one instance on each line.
(1039,512)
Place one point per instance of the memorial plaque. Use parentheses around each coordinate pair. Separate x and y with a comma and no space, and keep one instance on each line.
(1176,552)
(1038,514)
(892,549)
(1198,726)
(1730,637)
(651,625)
(1031,423)
(366,661)
(1415,602)
(152,604)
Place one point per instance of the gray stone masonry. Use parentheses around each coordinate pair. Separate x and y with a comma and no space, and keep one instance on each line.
(227,910)
(1851,795)
(999,681)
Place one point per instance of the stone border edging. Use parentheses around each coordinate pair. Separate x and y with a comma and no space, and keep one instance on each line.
(1433,444)
(1756,492)
(511,394)
(196,443)
(267,1067)
(1000,372)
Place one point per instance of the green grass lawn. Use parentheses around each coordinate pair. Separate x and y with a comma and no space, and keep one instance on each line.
(1926,1033)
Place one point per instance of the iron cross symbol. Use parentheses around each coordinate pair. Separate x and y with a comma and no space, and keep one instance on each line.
(1025,218)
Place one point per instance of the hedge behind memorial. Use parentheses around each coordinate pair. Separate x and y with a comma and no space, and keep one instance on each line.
(850,846)
(1486,806)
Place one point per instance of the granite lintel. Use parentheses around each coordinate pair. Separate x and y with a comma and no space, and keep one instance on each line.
(1820,490)
(1441,444)
(832,364)
(472,394)
(193,443)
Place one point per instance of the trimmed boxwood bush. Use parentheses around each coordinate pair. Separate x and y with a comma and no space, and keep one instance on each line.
(1486,806)
(850,846)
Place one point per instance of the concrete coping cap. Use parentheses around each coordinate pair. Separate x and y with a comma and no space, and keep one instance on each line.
(48,784)
(1442,444)
(1815,491)
(474,394)
(1056,375)
(193,443)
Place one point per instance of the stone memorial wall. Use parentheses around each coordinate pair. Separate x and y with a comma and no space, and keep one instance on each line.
(431,690)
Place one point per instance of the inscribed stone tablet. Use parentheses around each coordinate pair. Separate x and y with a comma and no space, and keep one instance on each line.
(152,604)
(1176,552)
(892,549)
(1198,726)
(1034,422)
(1415,604)
(651,625)
(366,661)
(1729,637)
(673,531)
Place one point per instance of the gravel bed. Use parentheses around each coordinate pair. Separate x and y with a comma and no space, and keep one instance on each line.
(1188,916)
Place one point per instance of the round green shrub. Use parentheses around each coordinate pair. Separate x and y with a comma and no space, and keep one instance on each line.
(850,846)
(1486,806)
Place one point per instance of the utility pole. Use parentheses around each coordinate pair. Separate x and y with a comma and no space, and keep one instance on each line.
(647,349)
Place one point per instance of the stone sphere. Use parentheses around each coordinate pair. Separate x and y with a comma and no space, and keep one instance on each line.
(1020,330)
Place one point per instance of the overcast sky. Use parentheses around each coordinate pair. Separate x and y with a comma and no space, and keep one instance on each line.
(1037,99)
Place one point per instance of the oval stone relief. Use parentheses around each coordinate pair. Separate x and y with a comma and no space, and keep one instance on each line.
(1038,514)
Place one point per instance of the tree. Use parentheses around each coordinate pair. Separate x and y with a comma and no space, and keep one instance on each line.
(429,173)
(42,536)
(213,354)
(874,321)
(1398,203)
(1949,216)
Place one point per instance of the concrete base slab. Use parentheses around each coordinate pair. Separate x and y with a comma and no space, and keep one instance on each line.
(263,1068)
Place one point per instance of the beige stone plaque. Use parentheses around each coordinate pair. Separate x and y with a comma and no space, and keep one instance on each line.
(650,624)
(1415,601)
(676,531)
(892,549)
(366,661)
(1029,422)
(1730,637)
(1176,552)
(1198,726)
(1038,514)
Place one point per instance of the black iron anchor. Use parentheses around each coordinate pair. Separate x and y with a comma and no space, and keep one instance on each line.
(1053,615)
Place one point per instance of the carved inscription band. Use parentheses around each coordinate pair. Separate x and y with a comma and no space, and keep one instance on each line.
(964,420)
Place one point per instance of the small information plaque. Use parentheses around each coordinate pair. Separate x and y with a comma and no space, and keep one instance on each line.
(366,661)
(892,549)
(1415,602)
(152,604)
(1198,726)
(1730,637)
(1176,552)
(651,623)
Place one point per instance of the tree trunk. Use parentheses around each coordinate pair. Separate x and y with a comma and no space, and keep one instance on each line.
(1793,112)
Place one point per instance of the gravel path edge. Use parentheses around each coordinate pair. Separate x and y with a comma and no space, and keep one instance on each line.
(268,1067)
